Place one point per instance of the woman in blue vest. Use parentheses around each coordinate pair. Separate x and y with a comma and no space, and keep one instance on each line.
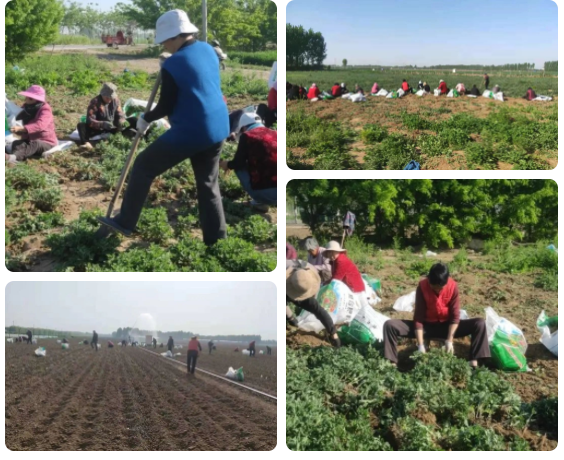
(191,98)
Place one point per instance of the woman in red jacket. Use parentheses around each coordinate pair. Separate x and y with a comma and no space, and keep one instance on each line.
(437,315)
(443,87)
(313,92)
(405,86)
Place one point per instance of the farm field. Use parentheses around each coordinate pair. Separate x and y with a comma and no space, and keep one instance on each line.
(439,133)
(52,204)
(260,371)
(125,399)
(431,402)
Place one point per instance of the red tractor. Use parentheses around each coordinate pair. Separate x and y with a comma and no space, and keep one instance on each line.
(118,39)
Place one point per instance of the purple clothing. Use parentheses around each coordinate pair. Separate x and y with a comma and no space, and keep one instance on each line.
(42,127)
(319,262)
(291,253)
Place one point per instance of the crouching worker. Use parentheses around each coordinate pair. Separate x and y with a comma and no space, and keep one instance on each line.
(530,94)
(255,159)
(437,316)
(38,131)
(268,113)
(191,98)
(302,284)
(104,115)
(194,347)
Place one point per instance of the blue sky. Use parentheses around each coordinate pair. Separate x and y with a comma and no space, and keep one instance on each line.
(221,308)
(104,5)
(431,32)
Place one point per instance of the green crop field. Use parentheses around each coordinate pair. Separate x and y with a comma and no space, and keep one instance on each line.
(51,205)
(437,132)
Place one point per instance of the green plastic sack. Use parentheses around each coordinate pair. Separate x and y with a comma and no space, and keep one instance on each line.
(507,353)
(83,119)
(239,375)
(550,322)
(374,283)
(356,333)
(456,93)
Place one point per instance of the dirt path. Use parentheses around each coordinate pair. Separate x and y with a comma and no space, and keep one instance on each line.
(125,399)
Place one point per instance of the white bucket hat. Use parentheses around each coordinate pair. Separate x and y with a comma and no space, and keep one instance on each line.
(246,120)
(171,24)
(335,247)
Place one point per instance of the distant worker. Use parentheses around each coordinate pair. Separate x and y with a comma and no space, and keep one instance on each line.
(94,341)
(461,89)
(268,350)
(29,336)
(344,89)
(124,343)
(65,340)
(443,87)
(154,342)
(210,346)
(405,86)
(474,91)
(420,86)
(496,89)
(193,348)
(487,80)
(268,112)
(252,351)
(336,90)
(358,90)
(375,88)
(236,350)
(110,344)
(426,87)
(313,92)
(170,344)
(220,54)
(291,253)
(530,94)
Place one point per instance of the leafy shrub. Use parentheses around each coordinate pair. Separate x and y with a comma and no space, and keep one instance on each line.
(256,230)
(237,255)
(84,82)
(24,177)
(395,152)
(138,259)
(153,225)
(236,84)
(46,199)
(455,137)
(133,80)
(414,121)
(474,437)
(372,134)
(481,154)
(192,255)
(30,225)
(433,146)
(263,58)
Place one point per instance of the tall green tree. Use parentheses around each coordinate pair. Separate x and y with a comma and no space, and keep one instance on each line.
(30,25)
(345,62)
(304,47)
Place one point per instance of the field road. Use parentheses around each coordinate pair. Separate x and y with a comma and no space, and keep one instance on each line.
(88,47)
(126,399)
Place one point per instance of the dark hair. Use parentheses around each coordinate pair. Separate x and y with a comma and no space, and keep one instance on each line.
(438,275)
(404,79)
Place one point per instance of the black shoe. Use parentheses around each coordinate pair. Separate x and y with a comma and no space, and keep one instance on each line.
(292,321)
(335,342)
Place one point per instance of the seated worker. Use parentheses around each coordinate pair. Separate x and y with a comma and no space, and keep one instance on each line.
(293,93)
(405,86)
(344,89)
(358,90)
(38,132)
(336,90)
(475,91)
(461,89)
(220,54)
(437,316)
(104,115)
(255,160)
(530,94)
(426,87)
(318,260)
(375,88)
(420,86)
(302,285)
(291,253)
(313,92)
(343,269)
(495,89)
(443,87)
(268,112)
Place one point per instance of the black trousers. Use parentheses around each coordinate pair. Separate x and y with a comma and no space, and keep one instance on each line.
(192,358)
(23,149)
(476,328)
(28,340)
(158,158)
(312,305)
(86,133)
(268,116)
(252,352)
(94,345)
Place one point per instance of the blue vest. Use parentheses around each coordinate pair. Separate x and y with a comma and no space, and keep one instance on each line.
(200,117)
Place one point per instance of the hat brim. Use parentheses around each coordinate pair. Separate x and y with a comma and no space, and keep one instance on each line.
(161,38)
(32,96)
(298,294)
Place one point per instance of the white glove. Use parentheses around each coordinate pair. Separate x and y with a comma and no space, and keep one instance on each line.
(142,125)
(421,348)
(449,347)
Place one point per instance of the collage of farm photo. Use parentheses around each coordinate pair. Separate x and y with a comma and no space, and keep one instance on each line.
(144,260)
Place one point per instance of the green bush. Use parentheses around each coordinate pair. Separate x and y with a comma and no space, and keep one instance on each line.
(237,255)
(256,230)
(395,152)
(137,259)
(263,58)
(153,225)
(372,134)
(46,199)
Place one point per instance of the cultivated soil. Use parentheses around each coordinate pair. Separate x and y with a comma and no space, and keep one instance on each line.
(384,112)
(125,399)
(512,296)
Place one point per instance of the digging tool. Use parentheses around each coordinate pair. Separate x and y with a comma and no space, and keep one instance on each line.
(135,143)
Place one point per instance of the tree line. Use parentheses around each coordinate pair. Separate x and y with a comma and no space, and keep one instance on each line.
(244,25)
(126,332)
(438,213)
(304,48)
(551,66)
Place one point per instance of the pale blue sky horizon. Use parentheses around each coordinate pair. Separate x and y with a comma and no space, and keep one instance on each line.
(104,5)
(432,32)
(218,308)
